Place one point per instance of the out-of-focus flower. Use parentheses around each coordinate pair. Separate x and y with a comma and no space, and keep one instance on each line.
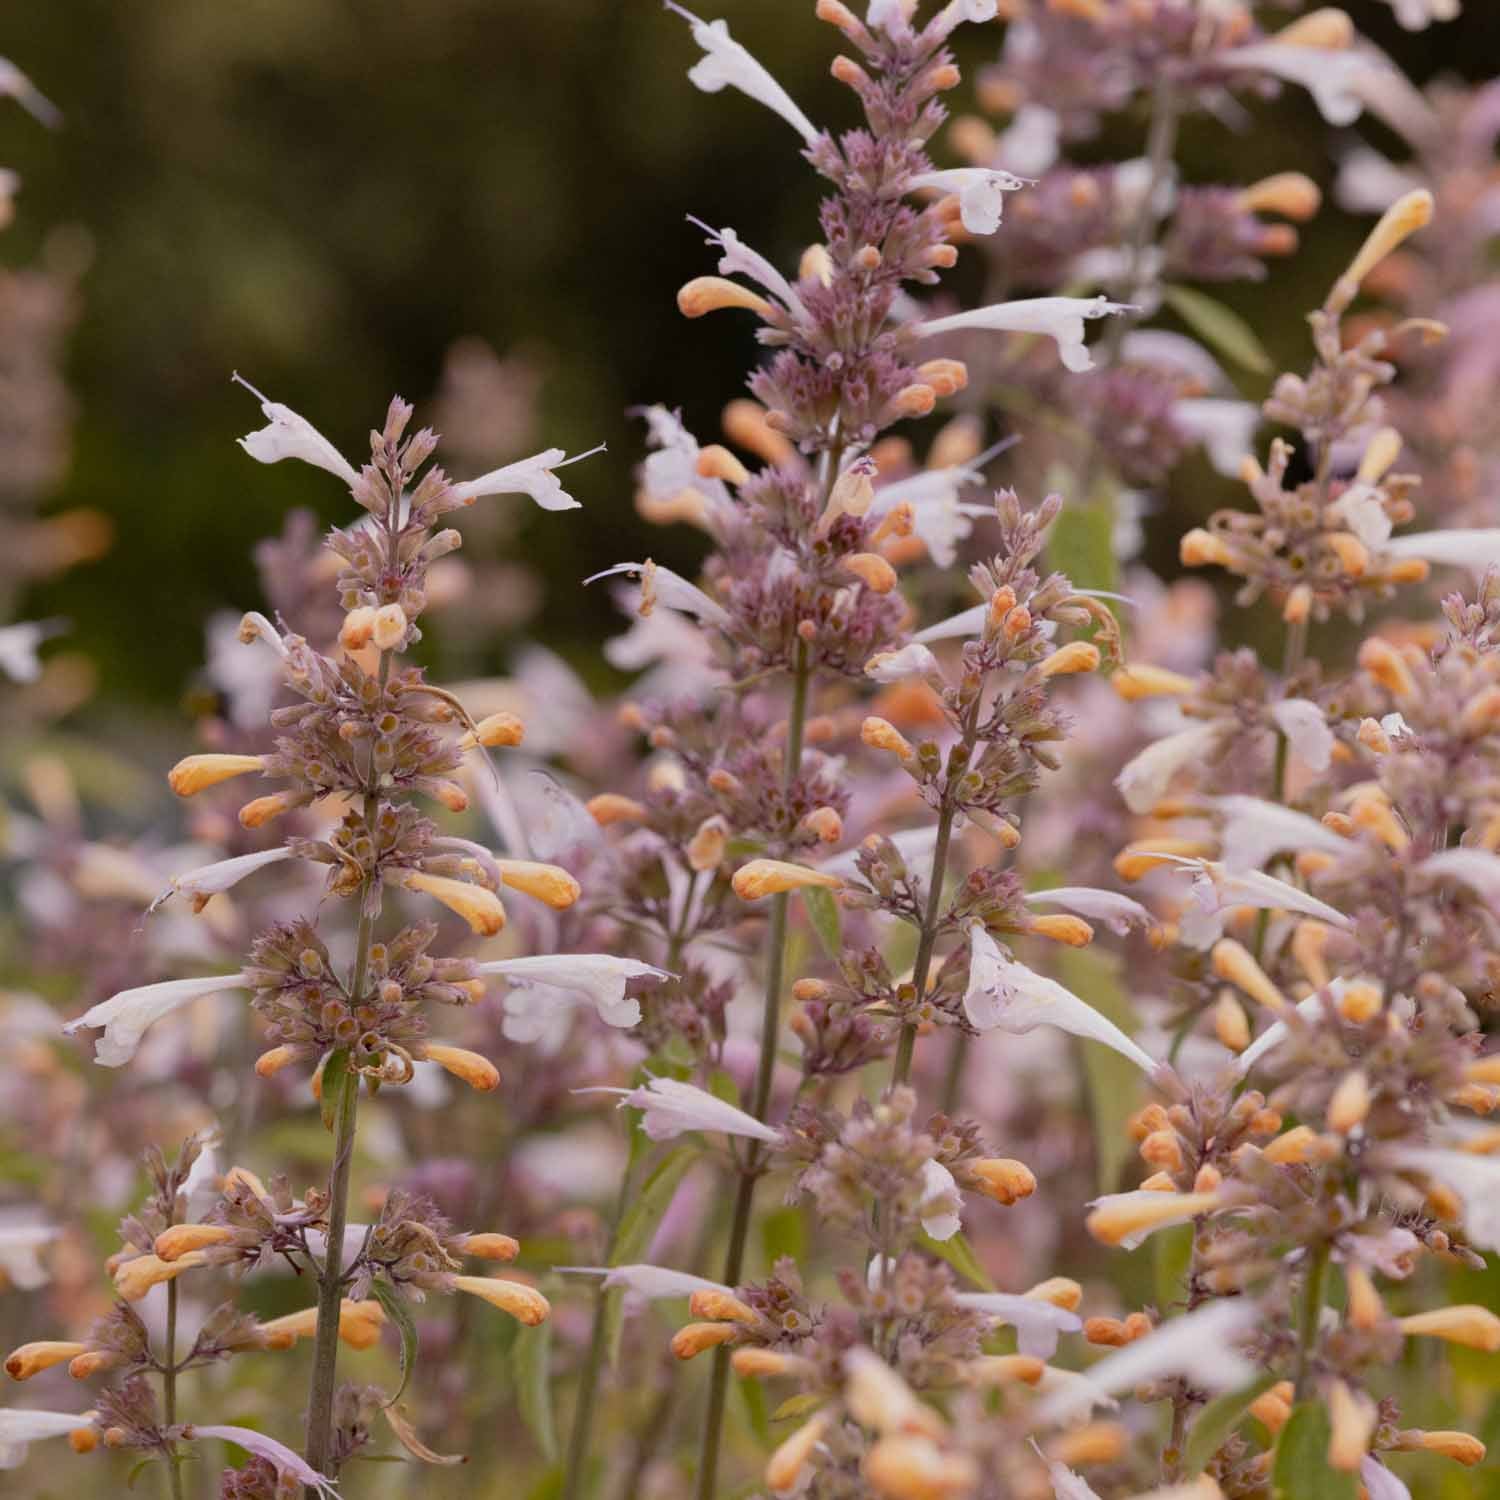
(19,1429)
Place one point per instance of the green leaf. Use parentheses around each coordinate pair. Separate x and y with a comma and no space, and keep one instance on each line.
(1216,1421)
(533,1367)
(1220,327)
(335,1079)
(1171,1254)
(1302,1471)
(798,1406)
(754,1397)
(1081,542)
(959,1254)
(636,1229)
(783,1232)
(136,1470)
(823,913)
(400,1315)
(1114,1082)
(722,1086)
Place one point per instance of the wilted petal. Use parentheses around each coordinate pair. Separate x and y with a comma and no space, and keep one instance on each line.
(125,1017)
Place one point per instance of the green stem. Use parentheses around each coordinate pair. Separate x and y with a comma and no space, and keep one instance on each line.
(169,1391)
(739,1229)
(1312,1316)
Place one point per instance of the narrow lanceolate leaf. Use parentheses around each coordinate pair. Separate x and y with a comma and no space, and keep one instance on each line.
(1081,542)
(1302,1470)
(1219,326)
(1217,1420)
(959,1254)
(533,1365)
(335,1079)
(399,1314)
(823,913)
(753,1394)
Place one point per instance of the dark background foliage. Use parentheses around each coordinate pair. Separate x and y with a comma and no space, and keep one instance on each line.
(323,194)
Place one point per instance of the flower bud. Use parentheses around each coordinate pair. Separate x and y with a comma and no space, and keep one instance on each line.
(745,425)
(524,1303)
(86,1366)
(1093,1443)
(476,1071)
(610,807)
(1351,1418)
(1295,1147)
(1076,656)
(881,734)
(548,883)
(262,810)
(706,294)
(489,1246)
(1002,1369)
(1232,961)
(494,729)
(195,773)
(31,1359)
(946,376)
(480,908)
(1003,1179)
(717,462)
(1459,1446)
(710,1302)
(1350,1102)
(1365,1308)
(785,1466)
(1294,195)
(268,1064)
(137,1276)
(752,1363)
(1125,1215)
(1231,1025)
(1141,680)
(1198,548)
(389,629)
(770,877)
(915,1468)
(692,1339)
(1387,666)
(1062,927)
(1468,1324)
(872,570)
(173,1243)
(1402,219)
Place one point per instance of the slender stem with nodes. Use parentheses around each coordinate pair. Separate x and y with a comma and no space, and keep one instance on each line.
(169,1391)
(1312,1316)
(739,1229)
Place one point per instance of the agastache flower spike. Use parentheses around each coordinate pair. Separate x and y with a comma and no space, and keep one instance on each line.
(1059,318)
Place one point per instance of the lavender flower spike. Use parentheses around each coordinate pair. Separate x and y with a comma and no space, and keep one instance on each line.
(1059,318)
(268,1448)
(725,63)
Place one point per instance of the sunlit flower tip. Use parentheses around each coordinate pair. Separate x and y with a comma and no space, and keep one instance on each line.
(1141,680)
(1144,855)
(524,1303)
(1199,548)
(946,376)
(1461,1447)
(1294,195)
(1363,1304)
(388,628)
(872,570)
(291,436)
(195,773)
(610,807)
(981,193)
(1058,318)
(1144,779)
(1401,220)
(706,294)
(125,1017)
(479,907)
(759,1364)
(1233,961)
(548,883)
(915,1468)
(180,1239)
(725,63)
(1387,666)
(1076,656)
(1127,1218)
(717,462)
(878,1398)
(693,1338)
(32,1359)
(476,1071)
(770,877)
(1003,1179)
(1062,927)
(494,730)
(137,1276)
(785,1468)
(710,1302)
(1060,1291)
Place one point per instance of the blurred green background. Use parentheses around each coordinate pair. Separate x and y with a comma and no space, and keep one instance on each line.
(324,194)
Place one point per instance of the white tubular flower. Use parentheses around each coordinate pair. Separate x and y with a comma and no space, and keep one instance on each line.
(1007,996)
(1225,429)
(968,622)
(1254,830)
(1217,890)
(21,1254)
(530,476)
(210,880)
(598,977)
(649,1282)
(1334,78)
(1059,318)
(291,436)
(125,1017)
(1476,1180)
(18,650)
(1038,1324)
(1120,912)
(1476,868)
(941,1201)
(1307,731)
(19,1428)
(284,1460)
(1144,780)
(1199,1346)
(739,258)
(1476,549)
(673,590)
(672,1108)
(981,193)
(14,84)
(726,64)
(913,660)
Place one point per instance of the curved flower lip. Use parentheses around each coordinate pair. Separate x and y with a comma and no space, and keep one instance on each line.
(1006,996)
(674,591)
(1144,779)
(1217,889)
(126,1016)
(672,1108)
(285,1461)
(1198,1345)
(292,436)
(727,64)
(651,1282)
(1059,318)
(1038,1324)
(599,977)
(528,476)
(981,193)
